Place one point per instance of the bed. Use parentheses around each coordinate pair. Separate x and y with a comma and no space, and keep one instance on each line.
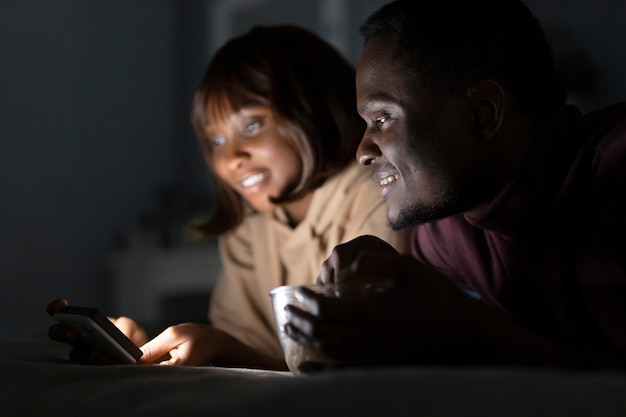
(39,380)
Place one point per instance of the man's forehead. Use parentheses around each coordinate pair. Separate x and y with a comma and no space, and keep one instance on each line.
(379,48)
(375,59)
(382,74)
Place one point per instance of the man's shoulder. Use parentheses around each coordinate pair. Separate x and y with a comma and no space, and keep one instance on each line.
(446,232)
(607,126)
(605,137)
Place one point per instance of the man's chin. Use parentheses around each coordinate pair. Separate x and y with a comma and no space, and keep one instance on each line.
(411,217)
(402,223)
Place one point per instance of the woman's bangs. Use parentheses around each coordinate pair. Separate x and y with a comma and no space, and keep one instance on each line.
(218,106)
(222,102)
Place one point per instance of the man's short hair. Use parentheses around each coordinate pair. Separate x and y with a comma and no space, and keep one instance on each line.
(451,43)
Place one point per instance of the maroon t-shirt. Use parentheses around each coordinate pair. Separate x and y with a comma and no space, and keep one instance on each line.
(550,248)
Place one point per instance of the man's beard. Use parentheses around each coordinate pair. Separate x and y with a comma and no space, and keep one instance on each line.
(414,216)
(419,214)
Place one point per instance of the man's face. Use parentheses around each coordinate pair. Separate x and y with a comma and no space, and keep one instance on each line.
(423,149)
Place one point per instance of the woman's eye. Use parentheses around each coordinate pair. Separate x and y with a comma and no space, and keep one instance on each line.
(379,121)
(218,140)
(252,127)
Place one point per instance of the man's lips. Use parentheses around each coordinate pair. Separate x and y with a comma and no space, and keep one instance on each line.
(388,179)
(385,176)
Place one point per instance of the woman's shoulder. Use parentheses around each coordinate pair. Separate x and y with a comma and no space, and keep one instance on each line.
(347,193)
(351,180)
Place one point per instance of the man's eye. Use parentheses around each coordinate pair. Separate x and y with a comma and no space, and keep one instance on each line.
(380,121)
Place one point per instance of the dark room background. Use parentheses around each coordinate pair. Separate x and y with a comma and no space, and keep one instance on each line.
(98,161)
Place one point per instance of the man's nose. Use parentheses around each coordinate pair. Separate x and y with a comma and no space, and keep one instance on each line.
(367,151)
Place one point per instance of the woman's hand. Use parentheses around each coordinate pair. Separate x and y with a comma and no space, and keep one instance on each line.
(131,329)
(191,344)
(195,344)
(82,352)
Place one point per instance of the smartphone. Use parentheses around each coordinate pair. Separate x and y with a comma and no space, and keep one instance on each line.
(100,333)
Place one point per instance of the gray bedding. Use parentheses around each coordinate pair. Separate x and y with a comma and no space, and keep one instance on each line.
(38,380)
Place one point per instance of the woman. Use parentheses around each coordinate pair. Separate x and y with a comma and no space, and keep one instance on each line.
(276,122)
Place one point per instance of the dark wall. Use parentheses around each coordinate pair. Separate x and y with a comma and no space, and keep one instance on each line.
(94,105)
(589,40)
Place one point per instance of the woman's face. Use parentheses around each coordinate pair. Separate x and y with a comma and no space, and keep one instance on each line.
(251,153)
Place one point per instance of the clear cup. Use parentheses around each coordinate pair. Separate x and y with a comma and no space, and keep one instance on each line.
(296,353)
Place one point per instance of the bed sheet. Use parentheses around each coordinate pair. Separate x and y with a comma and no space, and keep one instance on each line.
(38,380)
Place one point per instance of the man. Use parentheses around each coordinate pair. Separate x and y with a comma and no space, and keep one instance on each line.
(517,201)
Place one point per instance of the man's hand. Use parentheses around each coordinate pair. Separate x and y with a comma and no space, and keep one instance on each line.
(423,318)
(345,263)
(414,321)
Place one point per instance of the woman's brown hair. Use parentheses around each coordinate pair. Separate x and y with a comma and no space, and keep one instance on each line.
(308,85)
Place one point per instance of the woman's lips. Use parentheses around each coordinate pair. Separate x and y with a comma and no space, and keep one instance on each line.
(253,182)
(252,179)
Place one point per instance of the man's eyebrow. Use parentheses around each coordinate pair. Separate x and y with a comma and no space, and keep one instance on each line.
(375,100)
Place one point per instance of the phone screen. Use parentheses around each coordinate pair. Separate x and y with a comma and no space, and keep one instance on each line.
(99,332)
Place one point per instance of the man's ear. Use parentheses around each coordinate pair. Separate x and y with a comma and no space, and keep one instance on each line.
(487,101)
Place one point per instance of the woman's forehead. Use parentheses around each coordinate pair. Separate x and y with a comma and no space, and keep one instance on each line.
(221,105)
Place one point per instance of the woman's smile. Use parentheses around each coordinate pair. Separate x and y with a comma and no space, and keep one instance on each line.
(252,182)
(253,178)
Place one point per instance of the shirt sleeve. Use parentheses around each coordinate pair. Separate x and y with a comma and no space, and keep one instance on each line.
(234,304)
